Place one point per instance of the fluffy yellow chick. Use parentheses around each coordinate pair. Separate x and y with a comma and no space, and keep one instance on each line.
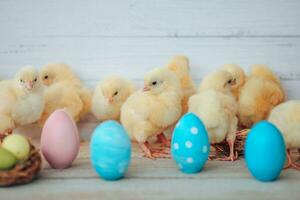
(109,96)
(59,72)
(217,108)
(65,90)
(21,99)
(259,95)
(287,119)
(180,66)
(151,111)
(239,77)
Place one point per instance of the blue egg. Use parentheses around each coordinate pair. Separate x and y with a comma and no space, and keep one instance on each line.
(190,144)
(110,149)
(265,151)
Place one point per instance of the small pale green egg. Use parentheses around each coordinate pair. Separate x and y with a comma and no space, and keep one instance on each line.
(18,145)
(7,159)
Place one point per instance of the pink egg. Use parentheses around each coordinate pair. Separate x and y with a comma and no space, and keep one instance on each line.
(60,140)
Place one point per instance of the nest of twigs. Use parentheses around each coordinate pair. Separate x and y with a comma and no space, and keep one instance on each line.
(24,172)
(222,149)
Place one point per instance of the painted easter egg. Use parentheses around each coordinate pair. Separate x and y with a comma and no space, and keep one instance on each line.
(265,151)
(190,144)
(7,159)
(110,149)
(18,145)
(60,140)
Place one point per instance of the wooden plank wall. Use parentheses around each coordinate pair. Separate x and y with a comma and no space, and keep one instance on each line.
(129,37)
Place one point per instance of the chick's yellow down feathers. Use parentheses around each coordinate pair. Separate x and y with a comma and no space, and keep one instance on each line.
(64,91)
(287,119)
(259,95)
(181,67)
(109,96)
(239,78)
(21,99)
(150,111)
(217,108)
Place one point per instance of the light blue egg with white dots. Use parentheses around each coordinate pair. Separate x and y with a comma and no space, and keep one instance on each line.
(110,150)
(265,151)
(190,144)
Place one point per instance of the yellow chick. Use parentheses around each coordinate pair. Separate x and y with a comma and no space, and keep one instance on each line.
(109,96)
(21,99)
(65,90)
(180,66)
(217,108)
(239,78)
(287,119)
(259,95)
(59,72)
(149,112)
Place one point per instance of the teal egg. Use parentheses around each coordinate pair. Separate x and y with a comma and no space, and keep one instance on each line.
(190,144)
(265,151)
(110,150)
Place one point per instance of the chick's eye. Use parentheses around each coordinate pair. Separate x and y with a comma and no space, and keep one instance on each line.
(35,80)
(154,83)
(21,81)
(116,93)
(229,82)
(46,77)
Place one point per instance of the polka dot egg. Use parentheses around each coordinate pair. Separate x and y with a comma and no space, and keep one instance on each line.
(110,149)
(190,144)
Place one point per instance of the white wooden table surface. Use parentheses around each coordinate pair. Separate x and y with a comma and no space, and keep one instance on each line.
(130,37)
(154,179)
(158,179)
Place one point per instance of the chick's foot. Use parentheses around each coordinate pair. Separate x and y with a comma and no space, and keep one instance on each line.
(161,153)
(289,160)
(291,163)
(161,138)
(154,153)
(296,166)
(232,156)
(145,147)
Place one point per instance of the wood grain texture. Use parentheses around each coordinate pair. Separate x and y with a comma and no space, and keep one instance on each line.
(159,179)
(130,37)
(94,58)
(132,18)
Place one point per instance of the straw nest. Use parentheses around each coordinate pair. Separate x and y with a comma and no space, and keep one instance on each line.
(24,172)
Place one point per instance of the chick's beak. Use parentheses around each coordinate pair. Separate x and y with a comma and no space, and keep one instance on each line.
(110,100)
(234,82)
(29,85)
(146,88)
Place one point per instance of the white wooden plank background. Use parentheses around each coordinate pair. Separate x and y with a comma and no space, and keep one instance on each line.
(129,37)
(155,18)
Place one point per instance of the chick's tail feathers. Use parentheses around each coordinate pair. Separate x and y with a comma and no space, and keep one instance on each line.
(206,106)
(210,121)
(136,126)
(142,130)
